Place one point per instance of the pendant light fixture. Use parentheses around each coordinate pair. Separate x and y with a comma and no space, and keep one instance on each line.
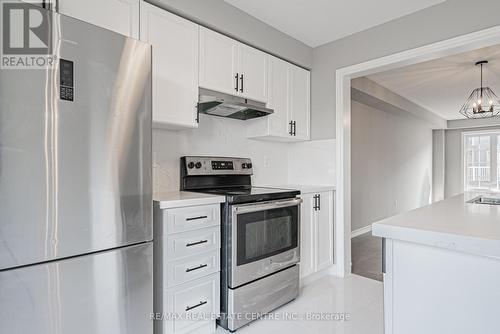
(482,102)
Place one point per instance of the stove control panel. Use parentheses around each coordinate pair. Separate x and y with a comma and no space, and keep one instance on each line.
(193,165)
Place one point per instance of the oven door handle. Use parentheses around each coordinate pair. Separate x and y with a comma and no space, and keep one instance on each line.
(254,207)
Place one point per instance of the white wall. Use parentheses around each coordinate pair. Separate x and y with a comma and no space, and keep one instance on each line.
(229,20)
(446,20)
(453,159)
(391,164)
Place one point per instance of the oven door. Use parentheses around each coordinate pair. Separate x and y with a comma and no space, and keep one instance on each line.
(264,239)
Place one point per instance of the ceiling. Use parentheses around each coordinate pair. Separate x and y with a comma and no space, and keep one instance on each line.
(442,85)
(316,22)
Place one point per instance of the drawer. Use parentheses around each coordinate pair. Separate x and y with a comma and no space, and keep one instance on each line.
(196,305)
(191,218)
(184,244)
(191,268)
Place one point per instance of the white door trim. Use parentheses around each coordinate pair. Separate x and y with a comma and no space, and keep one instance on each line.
(343,76)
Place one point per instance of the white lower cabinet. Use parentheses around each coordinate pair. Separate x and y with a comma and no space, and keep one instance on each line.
(198,301)
(187,269)
(316,232)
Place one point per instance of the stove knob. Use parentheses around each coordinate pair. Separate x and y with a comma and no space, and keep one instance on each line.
(198,165)
(191,165)
(243,165)
(249,165)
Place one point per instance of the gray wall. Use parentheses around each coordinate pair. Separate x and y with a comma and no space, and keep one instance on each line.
(391,164)
(453,159)
(449,19)
(221,16)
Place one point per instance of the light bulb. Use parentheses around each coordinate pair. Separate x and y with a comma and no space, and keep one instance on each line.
(491,102)
(479,101)
(474,104)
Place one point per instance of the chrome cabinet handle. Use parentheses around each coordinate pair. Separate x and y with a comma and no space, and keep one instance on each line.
(294,128)
(196,218)
(319,202)
(188,308)
(196,268)
(196,243)
(236,77)
(241,88)
(291,128)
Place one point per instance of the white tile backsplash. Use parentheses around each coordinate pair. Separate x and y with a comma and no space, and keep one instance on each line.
(216,136)
(312,162)
(274,163)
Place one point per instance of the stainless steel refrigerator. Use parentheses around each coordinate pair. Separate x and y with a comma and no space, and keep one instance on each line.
(75,187)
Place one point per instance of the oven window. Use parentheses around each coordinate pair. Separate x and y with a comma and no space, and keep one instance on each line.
(263,234)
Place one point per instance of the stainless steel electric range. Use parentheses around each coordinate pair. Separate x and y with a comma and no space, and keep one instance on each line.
(260,237)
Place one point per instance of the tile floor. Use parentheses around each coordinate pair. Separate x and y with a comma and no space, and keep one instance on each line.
(360,297)
(366,256)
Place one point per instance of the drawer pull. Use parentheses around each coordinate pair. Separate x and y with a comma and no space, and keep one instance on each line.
(196,218)
(196,243)
(189,308)
(196,268)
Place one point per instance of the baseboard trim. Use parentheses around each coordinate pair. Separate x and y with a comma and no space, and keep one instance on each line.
(361,231)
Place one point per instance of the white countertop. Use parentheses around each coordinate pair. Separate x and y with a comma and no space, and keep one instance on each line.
(304,188)
(452,223)
(176,199)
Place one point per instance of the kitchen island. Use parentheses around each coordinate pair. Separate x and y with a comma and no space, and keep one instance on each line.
(442,268)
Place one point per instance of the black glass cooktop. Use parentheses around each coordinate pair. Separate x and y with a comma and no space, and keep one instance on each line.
(251,194)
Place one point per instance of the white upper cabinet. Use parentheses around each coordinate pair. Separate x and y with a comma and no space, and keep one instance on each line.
(252,70)
(289,97)
(300,102)
(121,16)
(230,67)
(218,62)
(175,67)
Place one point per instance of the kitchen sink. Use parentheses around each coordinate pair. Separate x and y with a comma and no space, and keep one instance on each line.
(485,200)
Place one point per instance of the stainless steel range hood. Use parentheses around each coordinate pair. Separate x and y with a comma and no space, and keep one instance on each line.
(224,105)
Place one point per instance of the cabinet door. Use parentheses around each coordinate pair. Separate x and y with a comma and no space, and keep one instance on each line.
(252,68)
(300,103)
(175,66)
(218,56)
(307,236)
(324,225)
(278,97)
(121,16)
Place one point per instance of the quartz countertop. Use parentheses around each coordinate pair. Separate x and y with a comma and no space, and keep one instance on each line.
(452,223)
(176,199)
